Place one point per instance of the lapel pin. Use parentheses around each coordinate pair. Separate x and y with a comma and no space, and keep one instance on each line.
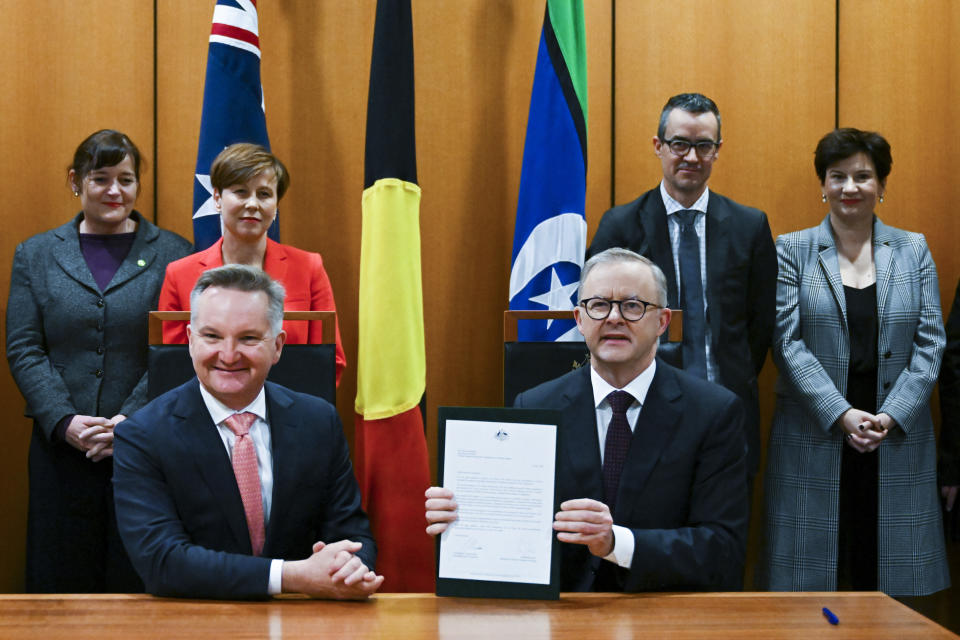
(141,262)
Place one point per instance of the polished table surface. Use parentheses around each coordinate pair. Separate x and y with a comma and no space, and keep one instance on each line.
(576,616)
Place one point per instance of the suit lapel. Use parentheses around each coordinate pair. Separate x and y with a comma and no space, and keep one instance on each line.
(657,242)
(141,256)
(582,442)
(830,266)
(883,260)
(718,247)
(69,256)
(283,444)
(275,261)
(655,428)
(200,436)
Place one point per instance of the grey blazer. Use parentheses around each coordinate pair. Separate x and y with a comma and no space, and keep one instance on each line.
(72,348)
(811,349)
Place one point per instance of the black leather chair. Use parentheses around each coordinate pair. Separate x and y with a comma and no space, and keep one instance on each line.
(527,364)
(308,368)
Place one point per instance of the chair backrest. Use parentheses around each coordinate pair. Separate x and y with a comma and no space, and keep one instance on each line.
(527,364)
(308,368)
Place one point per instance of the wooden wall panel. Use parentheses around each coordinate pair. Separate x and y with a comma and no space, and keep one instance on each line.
(770,67)
(901,77)
(66,73)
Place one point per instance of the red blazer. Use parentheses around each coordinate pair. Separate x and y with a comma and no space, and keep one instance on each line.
(300,272)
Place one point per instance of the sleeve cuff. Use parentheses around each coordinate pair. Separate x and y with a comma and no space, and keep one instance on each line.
(623,544)
(275,584)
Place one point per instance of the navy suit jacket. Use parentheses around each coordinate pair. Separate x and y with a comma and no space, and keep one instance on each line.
(179,508)
(682,491)
(741,285)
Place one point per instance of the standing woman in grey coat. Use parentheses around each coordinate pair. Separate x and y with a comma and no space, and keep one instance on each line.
(851,494)
(77,348)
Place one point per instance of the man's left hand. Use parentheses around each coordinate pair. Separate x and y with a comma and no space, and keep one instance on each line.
(588,522)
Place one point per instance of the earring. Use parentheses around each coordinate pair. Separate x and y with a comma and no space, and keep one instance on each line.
(76,194)
(881,197)
(823,197)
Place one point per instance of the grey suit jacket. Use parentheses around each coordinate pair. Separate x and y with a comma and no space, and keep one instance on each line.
(741,285)
(72,348)
(812,349)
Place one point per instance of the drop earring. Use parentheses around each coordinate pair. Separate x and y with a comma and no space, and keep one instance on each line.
(881,198)
(823,197)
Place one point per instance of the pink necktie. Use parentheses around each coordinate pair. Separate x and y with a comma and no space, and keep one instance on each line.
(248,478)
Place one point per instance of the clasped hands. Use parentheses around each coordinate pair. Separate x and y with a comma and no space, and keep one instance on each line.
(865,431)
(93,435)
(332,571)
(580,521)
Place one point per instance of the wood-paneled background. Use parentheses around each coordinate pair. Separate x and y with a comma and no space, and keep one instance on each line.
(782,71)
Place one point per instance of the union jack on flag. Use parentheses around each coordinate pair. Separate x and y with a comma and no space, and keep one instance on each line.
(233,107)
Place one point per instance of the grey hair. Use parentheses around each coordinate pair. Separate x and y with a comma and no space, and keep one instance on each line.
(616,254)
(241,277)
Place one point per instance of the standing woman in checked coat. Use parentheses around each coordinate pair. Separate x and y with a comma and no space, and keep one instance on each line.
(851,494)
(77,348)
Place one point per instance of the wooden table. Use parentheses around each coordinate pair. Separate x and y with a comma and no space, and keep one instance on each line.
(869,616)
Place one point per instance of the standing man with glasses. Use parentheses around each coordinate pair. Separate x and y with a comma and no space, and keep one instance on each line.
(651,475)
(718,257)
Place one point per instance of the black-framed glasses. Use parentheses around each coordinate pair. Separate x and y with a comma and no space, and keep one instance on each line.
(679,147)
(631,309)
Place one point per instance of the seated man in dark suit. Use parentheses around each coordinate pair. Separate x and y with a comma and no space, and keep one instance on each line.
(651,473)
(233,487)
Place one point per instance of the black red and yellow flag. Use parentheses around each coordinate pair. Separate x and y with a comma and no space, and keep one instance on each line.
(391,451)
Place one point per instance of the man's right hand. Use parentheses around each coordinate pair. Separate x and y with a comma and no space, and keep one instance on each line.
(441,509)
(333,571)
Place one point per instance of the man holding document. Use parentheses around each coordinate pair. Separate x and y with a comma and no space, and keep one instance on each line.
(651,474)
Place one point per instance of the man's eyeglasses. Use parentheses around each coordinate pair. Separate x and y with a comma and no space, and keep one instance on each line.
(631,309)
(706,149)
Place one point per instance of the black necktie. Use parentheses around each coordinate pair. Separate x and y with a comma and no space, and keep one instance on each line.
(616,445)
(691,296)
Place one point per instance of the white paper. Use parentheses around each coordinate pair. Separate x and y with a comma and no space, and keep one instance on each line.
(501,475)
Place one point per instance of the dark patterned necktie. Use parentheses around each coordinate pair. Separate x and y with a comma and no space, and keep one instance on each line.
(616,445)
(691,296)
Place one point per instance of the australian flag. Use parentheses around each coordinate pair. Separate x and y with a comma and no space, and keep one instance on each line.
(550,236)
(233,107)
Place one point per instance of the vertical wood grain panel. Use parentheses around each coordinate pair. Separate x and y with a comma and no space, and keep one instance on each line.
(901,77)
(67,71)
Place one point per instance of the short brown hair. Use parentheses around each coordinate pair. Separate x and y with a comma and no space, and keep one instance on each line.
(241,161)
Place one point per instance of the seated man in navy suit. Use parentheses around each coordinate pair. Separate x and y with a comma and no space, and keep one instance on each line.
(651,474)
(232,487)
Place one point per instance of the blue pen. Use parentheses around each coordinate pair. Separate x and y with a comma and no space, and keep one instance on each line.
(830,616)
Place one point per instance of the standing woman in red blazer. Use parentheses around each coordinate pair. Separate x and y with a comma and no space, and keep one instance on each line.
(248,182)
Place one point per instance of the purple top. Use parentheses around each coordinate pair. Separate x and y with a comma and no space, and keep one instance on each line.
(105,253)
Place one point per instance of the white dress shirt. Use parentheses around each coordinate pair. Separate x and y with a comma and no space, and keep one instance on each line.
(260,435)
(623,542)
(700,224)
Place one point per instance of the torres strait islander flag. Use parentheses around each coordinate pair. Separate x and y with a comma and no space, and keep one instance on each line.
(550,236)
(390,447)
(233,108)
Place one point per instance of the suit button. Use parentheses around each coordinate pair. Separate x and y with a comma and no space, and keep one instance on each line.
(99,325)
(100,350)
(886,385)
(100,302)
(98,373)
(887,354)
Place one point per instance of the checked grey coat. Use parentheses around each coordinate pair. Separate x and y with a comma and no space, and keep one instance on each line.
(811,349)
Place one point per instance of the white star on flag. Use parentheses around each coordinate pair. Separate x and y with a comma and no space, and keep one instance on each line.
(558,297)
(208,208)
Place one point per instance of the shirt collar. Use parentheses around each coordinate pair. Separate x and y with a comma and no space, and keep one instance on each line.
(637,387)
(672,206)
(220,412)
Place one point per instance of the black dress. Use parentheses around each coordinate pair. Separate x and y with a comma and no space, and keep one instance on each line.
(859,484)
